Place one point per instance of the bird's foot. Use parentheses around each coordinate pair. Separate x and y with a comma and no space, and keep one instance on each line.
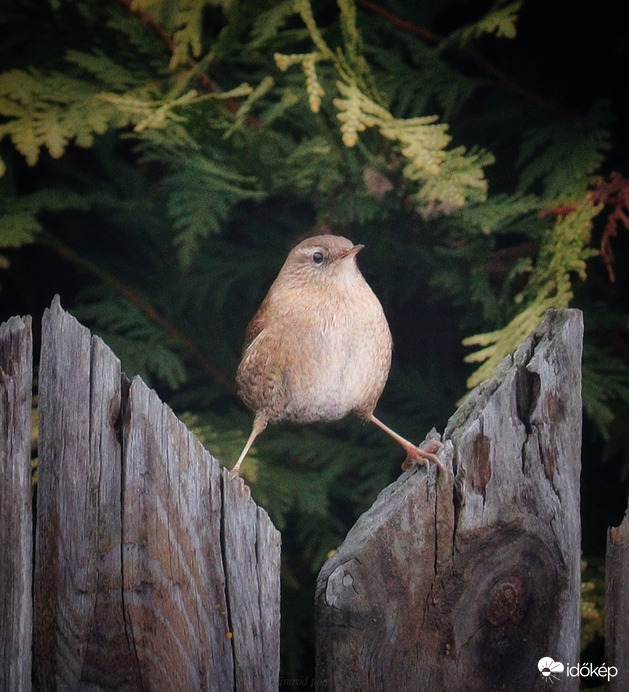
(415,455)
(234,475)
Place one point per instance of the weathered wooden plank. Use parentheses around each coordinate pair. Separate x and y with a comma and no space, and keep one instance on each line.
(475,577)
(67,508)
(252,559)
(174,580)
(617,605)
(16,382)
(110,660)
(130,582)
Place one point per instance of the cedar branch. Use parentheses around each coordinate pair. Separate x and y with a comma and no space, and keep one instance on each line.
(483,64)
(206,82)
(170,329)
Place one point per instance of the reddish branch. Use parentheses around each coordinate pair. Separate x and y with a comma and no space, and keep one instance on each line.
(123,290)
(402,24)
(614,193)
(205,81)
(486,66)
(562,210)
(149,21)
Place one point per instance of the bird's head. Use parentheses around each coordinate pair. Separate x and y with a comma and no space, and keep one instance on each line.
(322,259)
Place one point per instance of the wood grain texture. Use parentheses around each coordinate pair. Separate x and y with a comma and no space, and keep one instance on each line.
(132,589)
(617,604)
(476,576)
(16,379)
(252,548)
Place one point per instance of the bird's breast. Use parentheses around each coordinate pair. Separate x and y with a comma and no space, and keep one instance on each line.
(326,356)
(346,359)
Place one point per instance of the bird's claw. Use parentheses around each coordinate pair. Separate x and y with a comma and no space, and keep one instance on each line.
(242,487)
(415,455)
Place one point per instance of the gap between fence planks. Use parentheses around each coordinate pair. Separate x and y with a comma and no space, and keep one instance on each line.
(474,577)
(153,569)
(16,530)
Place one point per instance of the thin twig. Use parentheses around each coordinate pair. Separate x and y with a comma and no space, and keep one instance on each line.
(123,290)
(206,82)
(402,24)
(485,65)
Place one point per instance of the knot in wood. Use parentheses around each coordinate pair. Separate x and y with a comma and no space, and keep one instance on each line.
(507,602)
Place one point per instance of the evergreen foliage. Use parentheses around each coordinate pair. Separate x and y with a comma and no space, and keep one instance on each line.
(158,159)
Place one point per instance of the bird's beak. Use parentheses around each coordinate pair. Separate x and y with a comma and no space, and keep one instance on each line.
(353,252)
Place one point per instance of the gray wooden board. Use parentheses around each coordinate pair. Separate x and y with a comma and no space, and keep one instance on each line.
(134,526)
(16,378)
(474,576)
(617,605)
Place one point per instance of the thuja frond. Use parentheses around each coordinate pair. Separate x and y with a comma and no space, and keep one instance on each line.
(17,229)
(53,109)
(348,61)
(418,75)
(605,386)
(146,110)
(202,186)
(500,20)
(252,96)
(563,156)
(449,177)
(501,213)
(141,345)
(19,215)
(304,9)
(189,22)
(183,21)
(445,177)
(460,178)
(357,112)
(308,62)
(267,24)
(106,71)
(563,253)
(50,110)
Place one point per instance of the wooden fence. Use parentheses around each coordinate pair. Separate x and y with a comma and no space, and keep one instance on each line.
(154,570)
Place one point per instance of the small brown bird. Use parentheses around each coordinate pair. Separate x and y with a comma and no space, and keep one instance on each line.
(319,346)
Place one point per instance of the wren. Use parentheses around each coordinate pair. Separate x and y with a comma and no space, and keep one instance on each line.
(319,346)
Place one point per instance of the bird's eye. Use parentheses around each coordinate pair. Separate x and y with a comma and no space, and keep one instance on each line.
(317,257)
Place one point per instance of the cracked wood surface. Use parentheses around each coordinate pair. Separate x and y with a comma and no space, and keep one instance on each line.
(476,576)
(16,530)
(153,570)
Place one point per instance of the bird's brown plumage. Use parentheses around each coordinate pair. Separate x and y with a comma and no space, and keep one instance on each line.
(319,346)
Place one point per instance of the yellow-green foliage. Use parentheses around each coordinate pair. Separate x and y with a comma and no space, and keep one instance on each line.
(564,251)
(448,177)
(500,20)
(49,111)
(183,20)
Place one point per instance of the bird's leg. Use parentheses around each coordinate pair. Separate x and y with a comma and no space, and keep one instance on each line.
(414,455)
(259,423)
